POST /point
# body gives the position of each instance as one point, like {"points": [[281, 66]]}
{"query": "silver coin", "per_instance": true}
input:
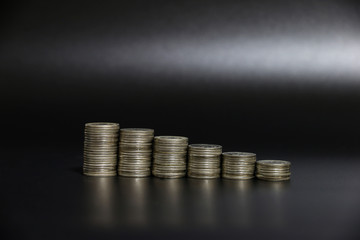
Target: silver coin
{"points": [[137, 131], [274, 163], [238, 165], [164, 175], [273, 170], [205, 146], [239, 154], [204, 161], [259, 176], [238, 177], [102, 125], [169, 156], [135, 152], [171, 138], [100, 149], [202, 176], [134, 174], [100, 174]]}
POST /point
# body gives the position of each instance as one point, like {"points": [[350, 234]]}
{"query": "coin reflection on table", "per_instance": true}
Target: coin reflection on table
{"points": [[100, 201], [204, 193], [238, 210], [135, 201], [171, 201]]}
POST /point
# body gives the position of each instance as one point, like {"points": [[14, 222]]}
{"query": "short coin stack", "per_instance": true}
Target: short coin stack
{"points": [[100, 149], [135, 150], [273, 170], [238, 165], [204, 160], [170, 156]]}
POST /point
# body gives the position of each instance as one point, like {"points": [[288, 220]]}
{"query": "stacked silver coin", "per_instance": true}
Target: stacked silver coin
{"points": [[135, 152], [204, 161], [100, 149], [238, 165], [170, 156], [273, 170]]}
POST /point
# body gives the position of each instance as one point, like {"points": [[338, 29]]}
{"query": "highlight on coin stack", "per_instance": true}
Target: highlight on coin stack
{"points": [[100, 148]]}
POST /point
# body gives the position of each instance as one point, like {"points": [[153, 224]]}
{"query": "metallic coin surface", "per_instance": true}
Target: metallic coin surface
{"points": [[170, 156], [238, 165], [100, 149], [204, 161], [274, 163], [135, 152], [273, 170]]}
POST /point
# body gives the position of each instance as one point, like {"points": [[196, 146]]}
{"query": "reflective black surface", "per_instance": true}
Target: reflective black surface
{"points": [[280, 78], [52, 199]]}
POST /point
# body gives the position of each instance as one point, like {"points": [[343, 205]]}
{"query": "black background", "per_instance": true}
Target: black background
{"points": [[279, 78]]}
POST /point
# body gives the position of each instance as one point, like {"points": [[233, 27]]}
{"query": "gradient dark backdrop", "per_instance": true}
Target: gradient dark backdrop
{"points": [[279, 78]]}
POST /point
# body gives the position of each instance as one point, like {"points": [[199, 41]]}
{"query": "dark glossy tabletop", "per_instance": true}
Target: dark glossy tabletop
{"points": [[278, 78], [50, 198]]}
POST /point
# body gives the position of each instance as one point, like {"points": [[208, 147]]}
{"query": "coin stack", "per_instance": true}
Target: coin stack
{"points": [[204, 160], [238, 165], [135, 150], [273, 170], [100, 149], [170, 156]]}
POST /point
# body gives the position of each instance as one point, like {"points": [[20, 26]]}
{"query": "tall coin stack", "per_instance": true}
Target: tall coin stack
{"points": [[170, 156], [238, 165], [100, 149], [135, 150], [204, 160], [273, 170]]}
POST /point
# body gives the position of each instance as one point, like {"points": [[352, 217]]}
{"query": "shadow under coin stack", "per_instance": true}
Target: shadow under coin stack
{"points": [[273, 170], [170, 156], [238, 165], [135, 150], [100, 149], [204, 161]]}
